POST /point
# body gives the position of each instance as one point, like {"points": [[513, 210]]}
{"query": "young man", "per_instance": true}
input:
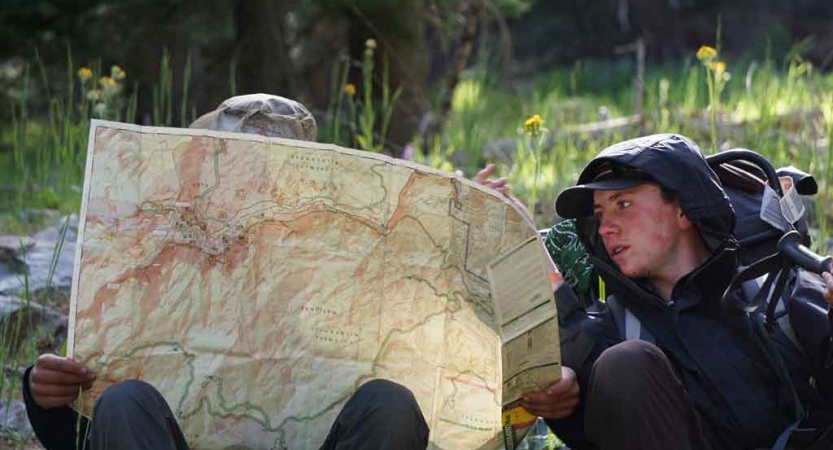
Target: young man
{"points": [[658, 226], [134, 415]]}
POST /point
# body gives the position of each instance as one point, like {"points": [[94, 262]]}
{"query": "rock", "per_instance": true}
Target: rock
{"points": [[47, 327], [39, 216], [38, 261], [11, 251], [14, 423]]}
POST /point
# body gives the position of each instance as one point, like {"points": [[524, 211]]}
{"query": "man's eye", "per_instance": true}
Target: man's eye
{"points": [[624, 204]]}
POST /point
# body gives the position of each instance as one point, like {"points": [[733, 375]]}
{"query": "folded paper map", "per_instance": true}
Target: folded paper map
{"points": [[258, 282]]}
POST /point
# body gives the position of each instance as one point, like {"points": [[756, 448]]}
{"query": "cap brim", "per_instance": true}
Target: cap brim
{"points": [[577, 201]]}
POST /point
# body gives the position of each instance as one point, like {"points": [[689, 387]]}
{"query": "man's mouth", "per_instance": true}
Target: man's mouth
{"points": [[618, 250]]}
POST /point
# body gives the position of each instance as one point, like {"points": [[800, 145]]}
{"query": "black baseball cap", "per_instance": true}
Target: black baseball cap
{"points": [[577, 201]]}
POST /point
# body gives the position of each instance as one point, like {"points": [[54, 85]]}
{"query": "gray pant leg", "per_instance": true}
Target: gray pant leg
{"points": [[636, 401], [380, 415], [132, 415]]}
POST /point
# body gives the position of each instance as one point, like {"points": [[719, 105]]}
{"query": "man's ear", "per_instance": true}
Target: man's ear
{"points": [[682, 220]]}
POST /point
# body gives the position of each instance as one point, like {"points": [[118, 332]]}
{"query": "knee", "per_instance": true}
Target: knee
{"points": [[382, 412], [126, 393], [623, 367], [384, 401], [628, 354], [386, 394]]}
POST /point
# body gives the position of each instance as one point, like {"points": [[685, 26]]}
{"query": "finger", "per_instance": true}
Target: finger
{"points": [[47, 376], [539, 405], [87, 385], [547, 399], [564, 404], [828, 294], [57, 363], [561, 387], [534, 397], [500, 182], [565, 384], [484, 173], [551, 404], [55, 402], [551, 413], [495, 184], [499, 187], [53, 390]]}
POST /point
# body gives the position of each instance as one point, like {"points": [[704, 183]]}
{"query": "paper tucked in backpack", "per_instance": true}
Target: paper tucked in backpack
{"points": [[791, 204]]}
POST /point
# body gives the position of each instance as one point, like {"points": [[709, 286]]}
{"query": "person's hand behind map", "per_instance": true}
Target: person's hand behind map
{"points": [[500, 185], [560, 399], [55, 381]]}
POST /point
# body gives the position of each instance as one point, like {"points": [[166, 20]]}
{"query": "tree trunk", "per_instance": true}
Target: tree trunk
{"points": [[261, 48]]}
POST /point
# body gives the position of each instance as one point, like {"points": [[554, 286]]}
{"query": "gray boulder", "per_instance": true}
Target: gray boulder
{"points": [[14, 423], [12, 249], [38, 260], [25, 322]]}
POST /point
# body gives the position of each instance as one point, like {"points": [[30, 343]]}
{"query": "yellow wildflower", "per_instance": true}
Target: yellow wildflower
{"points": [[370, 43], [706, 53], [350, 89], [85, 74], [718, 66], [533, 124], [117, 73], [94, 95], [106, 82]]}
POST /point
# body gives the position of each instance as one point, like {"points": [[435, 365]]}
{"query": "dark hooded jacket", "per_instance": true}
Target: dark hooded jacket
{"points": [[735, 376]]}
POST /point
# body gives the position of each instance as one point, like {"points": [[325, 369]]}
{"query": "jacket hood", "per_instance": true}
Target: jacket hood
{"points": [[676, 163]]}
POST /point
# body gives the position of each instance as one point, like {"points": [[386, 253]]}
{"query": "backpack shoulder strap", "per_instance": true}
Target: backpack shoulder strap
{"points": [[750, 289], [627, 323]]}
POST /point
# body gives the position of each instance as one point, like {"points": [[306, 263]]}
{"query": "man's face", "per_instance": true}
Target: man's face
{"points": [[640, 230]]}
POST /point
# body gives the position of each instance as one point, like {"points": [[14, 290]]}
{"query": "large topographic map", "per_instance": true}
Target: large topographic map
{"points": [[258, 282]]}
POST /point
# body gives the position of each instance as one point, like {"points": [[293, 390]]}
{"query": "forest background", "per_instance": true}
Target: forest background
{"points": [[535, 86], [448, 82]]}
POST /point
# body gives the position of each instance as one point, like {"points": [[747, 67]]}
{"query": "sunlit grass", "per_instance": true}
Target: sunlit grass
{"points": [[775, 109]]}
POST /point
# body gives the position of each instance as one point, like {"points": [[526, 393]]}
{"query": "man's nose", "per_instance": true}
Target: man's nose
{"points": [[607, 227]]}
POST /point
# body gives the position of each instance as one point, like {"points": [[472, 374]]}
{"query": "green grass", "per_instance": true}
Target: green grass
{"points": [[783, 111], [780, 109]]}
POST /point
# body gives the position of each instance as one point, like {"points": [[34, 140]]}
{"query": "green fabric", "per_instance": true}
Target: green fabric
{"points": [[570, 256]]}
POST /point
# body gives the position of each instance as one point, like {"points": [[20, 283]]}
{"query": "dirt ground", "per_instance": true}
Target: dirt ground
{"points": [[6, 444]]}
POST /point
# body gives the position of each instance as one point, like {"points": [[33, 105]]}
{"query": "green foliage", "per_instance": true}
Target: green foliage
{"points": [[780, 110], [436, 156], [44, 168], [368, 118]]}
